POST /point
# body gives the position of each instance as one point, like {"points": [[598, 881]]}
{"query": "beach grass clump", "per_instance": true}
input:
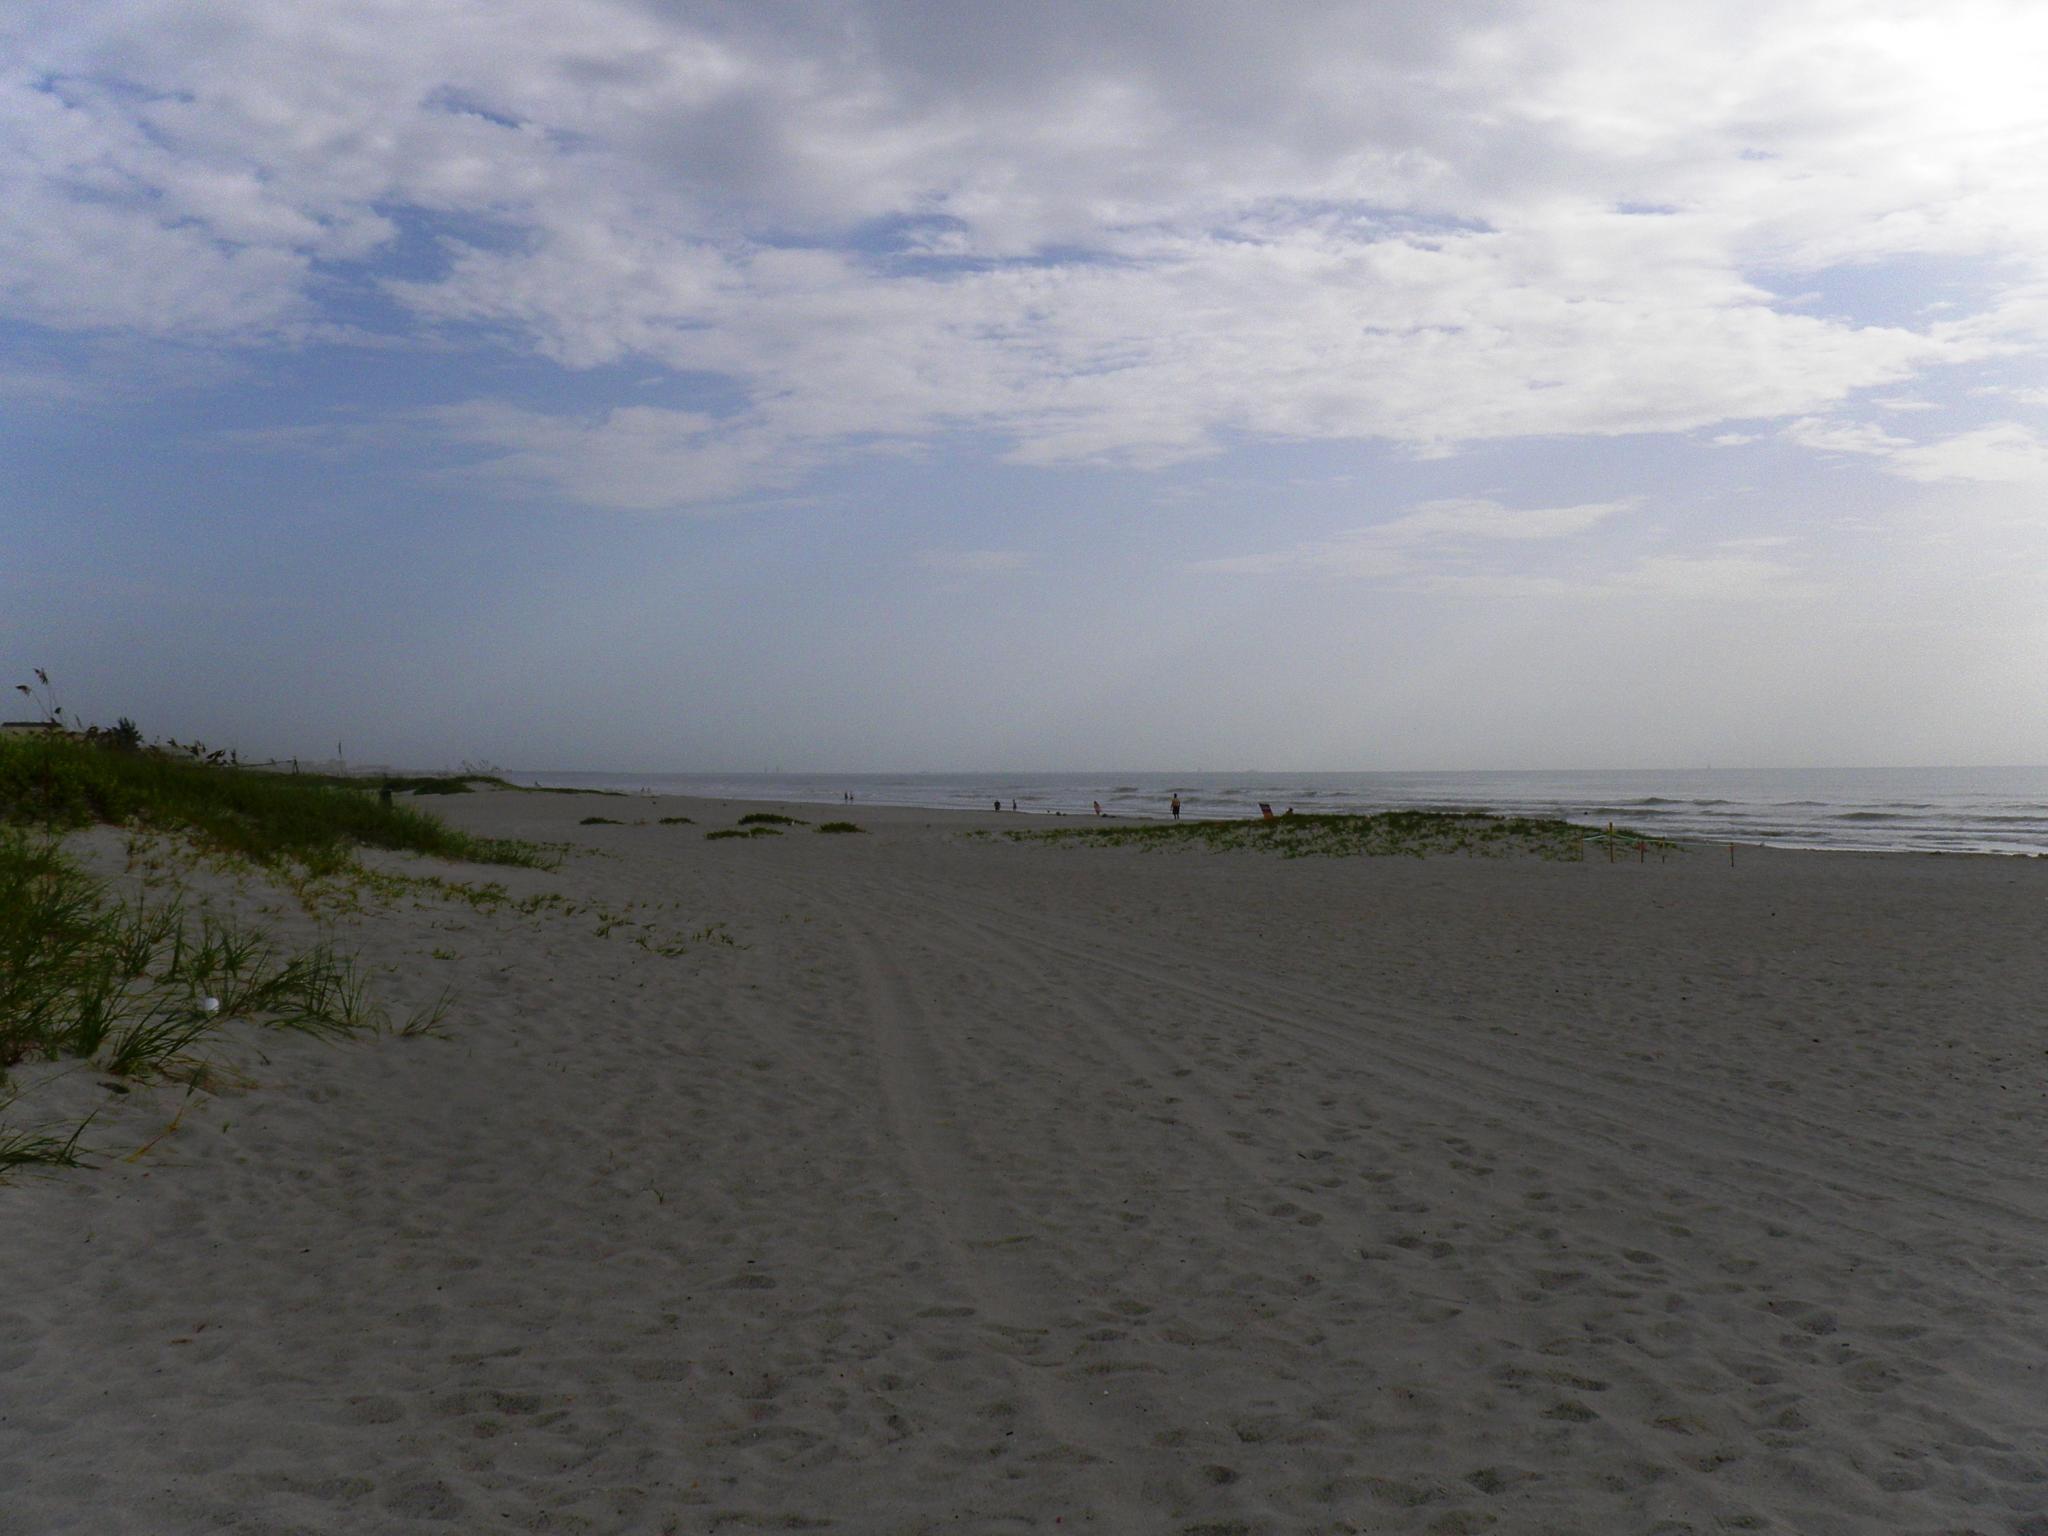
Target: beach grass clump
{"points": [[677, 821], [137, 987], [132, 984], [37, 1146], [770, 819], [600, 821], [839, 826], [1415, 834], [317, 820], [741, 831]]}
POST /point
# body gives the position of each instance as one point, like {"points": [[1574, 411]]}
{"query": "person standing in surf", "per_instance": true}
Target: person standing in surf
{"points": [[1176, 805]]}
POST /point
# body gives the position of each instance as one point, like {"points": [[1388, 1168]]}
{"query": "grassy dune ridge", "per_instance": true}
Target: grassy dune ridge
{"points": [[313, 819]]}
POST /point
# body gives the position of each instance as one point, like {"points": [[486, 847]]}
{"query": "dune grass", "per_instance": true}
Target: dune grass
{"points": [[1417, 834], [678, 821], [600, 821], [316, 820], [442, 783], [770, 819], [741, 831], [398, 784], [37, 1146], [137, 987], [839, 826]]}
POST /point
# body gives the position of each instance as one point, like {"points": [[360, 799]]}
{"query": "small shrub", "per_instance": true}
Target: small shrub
{"points": [[770, 819], [839, 826]]}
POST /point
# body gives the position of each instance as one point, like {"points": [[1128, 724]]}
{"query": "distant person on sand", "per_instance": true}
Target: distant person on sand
{"points": [[1176, 807], [999, 805], [1098, 807]]}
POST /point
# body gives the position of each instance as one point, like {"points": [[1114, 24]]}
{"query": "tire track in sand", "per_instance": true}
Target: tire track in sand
{"points": [[976, 1237]]}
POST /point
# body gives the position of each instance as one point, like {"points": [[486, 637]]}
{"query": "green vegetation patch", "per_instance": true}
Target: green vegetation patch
{"points": [[444, 784], [1418, 834], [770, 819], [429, 786], [316, 819], [137, 987], [712, 837], [36, 1147], [408, 784], [840, 826], [678, 821], [600, 821]]}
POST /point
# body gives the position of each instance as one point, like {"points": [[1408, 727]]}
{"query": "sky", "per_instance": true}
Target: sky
{"points": [[872, 385]]}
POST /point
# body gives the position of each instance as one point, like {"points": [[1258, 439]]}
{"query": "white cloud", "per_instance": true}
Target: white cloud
{"points": [[1099, 232], [1481, 549], [635, 458], [2001, 453], [2004, 453], [1843, 436]]}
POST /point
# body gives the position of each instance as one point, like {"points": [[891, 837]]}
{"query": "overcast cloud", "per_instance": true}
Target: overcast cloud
{"points": [[1165, 321]]}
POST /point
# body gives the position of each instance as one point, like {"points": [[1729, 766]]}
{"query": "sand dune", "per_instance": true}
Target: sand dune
{"points": [[980, 1186]]}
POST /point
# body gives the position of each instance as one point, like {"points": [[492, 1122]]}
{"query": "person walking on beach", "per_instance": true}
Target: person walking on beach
{"points": [[1098, 807], [1176, 805]]}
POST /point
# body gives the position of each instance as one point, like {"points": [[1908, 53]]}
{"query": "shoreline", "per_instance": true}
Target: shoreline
{"points": [[2002, 826], [1085, 818]]}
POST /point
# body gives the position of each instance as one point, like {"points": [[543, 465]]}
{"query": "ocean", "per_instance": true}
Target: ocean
{"points": [[1947, 810]]}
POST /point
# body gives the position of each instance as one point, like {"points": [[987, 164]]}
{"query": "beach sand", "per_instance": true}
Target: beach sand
{"points": [[982, 1186]]}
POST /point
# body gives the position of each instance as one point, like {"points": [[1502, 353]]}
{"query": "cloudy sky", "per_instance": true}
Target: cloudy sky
{"points": [[639, 384]]}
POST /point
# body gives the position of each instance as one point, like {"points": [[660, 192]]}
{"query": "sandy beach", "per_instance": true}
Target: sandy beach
{"points": [[919, 1181]]}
